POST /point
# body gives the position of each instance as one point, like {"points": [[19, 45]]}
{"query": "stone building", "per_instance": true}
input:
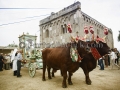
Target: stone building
{"points": [[6, 49], [53, 29]]}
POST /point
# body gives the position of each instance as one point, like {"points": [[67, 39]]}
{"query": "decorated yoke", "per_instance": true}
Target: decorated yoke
{"points": [[73, 50]]}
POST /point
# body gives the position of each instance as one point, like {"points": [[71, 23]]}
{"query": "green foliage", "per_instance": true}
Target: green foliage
{"points": [[35, 55]]}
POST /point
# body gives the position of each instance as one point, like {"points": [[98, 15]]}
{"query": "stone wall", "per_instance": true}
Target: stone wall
{"points": [[53, 29]]}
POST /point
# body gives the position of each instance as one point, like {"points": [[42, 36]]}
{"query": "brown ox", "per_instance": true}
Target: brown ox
{"points": [[88, 63], [59, 58]]}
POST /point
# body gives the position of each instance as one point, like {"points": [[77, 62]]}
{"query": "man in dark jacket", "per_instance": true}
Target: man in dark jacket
{"points": [[1, 62], [117, 54], [19, 60], [101, 63]]}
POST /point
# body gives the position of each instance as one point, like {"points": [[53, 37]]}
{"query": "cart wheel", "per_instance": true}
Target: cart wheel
{"points": [[32, 70]]}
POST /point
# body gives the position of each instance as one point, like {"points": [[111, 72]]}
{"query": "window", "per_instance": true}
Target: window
{"points": [[97, 32], [47, 33], [63, 29]]}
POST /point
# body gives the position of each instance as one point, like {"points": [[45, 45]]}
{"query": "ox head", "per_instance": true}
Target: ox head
{"points": [[100, 43], [101, 47], [82, 48], [80, 44], [104, 48]]}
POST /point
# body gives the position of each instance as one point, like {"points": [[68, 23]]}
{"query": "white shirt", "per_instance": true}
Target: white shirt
{"points": [[19, 56], [113, 55], [8, 59]]}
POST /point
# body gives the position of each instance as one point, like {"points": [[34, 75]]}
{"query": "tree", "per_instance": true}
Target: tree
{"points": [[12, 45], [119, 37]]}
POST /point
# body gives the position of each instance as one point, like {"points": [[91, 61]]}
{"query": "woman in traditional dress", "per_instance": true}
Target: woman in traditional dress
{"points": [[15, 65]]}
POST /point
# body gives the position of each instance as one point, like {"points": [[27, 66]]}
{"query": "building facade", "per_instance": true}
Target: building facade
{"points": [[53, 29], [6, 49]]}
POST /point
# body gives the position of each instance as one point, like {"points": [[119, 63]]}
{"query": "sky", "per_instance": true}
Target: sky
{"points": [[13, 22]]}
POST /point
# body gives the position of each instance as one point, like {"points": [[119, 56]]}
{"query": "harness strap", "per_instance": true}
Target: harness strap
{"points": [[79, 58], [95, 53]]}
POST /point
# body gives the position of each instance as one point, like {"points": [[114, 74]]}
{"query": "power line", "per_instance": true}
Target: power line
{"points": [[28, 8], [15, 22], [35, 16], [23, 20]]}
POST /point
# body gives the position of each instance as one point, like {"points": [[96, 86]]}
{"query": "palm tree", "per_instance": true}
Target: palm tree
{"points": [[119, 37]]}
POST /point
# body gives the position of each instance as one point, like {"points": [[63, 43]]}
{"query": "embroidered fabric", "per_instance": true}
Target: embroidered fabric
{"points": [[95, 53], [74, 55]]}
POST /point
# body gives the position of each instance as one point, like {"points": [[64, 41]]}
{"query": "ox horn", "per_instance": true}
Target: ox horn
{"points": [[104, 38]]}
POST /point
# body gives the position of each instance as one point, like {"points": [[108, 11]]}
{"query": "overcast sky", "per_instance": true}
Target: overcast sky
{"points": [[13, 22]]}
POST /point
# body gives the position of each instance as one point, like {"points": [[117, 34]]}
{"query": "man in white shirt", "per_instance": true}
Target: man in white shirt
{"points": [[113, 57], [19, 59]]}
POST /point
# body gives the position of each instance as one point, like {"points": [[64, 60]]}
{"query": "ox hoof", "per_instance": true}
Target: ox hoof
{"points": [[64, 86], [49, 78], [53, 76], [43, 79], [88, 83], [70, 83]]}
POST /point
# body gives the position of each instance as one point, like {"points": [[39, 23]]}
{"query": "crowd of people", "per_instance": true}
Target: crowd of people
{"points": [[111, 59], [5, 61], [15, 63]]}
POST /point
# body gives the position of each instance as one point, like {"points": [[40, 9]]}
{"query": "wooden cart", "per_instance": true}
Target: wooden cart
{"points": [[30, 53]]}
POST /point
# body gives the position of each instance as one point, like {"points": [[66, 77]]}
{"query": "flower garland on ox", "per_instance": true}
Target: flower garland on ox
{"points": [[73, 50]]}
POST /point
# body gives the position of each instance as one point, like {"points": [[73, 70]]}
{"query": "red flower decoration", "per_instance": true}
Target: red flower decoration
{"points": [[86, 30], [106, 31], [91, 29], [69, 28], [97, 36], [77, 38], [99, 39]]}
